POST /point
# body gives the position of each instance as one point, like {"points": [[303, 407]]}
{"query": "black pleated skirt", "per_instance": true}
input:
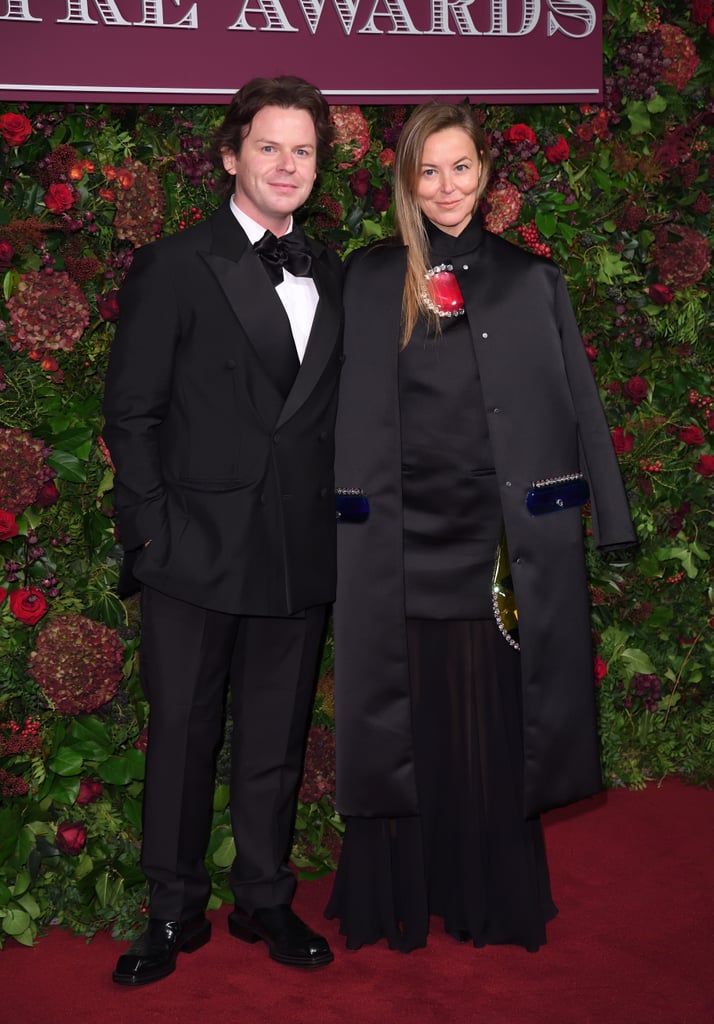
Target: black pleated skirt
{"points": [[469, 858]]}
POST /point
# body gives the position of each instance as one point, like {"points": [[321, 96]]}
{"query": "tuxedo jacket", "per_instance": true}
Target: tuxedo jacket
{"points": [[229, 477], [545, 420]]}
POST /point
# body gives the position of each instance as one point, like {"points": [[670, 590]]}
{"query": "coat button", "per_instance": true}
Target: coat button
{"points": [[276, 439], [508, 483], [496, 411], [485, 334]]}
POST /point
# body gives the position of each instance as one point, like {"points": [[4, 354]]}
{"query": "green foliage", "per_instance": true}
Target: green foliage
{"points": [[619, 193]]}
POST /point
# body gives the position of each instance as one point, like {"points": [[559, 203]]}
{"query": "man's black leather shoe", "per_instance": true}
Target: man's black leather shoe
{"points": [[153, 956], [289, 939]]}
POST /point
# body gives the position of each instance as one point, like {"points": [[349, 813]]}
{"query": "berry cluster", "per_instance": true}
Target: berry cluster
{"points": [[529, 234]]}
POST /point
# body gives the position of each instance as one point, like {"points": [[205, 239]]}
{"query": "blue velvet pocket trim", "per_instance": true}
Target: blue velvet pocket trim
{"points": [[556, 494]]}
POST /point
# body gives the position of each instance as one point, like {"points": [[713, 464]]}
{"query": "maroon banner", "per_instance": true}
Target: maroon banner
{"points": [[356, 51]]}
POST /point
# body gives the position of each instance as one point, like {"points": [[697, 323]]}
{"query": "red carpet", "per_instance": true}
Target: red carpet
{"points": [[633, 944]]}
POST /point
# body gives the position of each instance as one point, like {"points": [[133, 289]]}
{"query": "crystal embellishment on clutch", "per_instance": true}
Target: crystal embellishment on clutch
{"points": [[443, 294]]}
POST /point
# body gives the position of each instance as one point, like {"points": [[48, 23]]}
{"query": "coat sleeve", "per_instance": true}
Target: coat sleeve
{"points": [[612, 523], [137, 393]]}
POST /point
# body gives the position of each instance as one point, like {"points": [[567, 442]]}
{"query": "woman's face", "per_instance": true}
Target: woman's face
{"points": [[447, 185]]}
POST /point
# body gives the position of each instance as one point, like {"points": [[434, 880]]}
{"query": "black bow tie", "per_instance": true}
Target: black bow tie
{"points": [[289, 251]]}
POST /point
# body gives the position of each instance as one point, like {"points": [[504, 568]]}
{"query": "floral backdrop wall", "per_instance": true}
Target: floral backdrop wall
{"points": [[619, 193]]}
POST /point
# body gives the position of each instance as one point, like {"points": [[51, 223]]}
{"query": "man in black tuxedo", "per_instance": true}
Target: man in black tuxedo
{"points": [[220, 406]]}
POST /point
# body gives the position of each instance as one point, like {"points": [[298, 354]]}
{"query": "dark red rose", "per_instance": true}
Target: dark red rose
{"points": [[691, 435], [701, 11], [660, 294], [705, 466], [89, 791], [710, 420], [6, 254], [15, 129], [710, 27], [519, 133], [599, 669], [47, 495], [558, 151], [3, 594], [108, 305], [359, 182], [636, 389], [8, 525], [59, 198], [28, 605], [71, 837], [621, 441], [382, 199]]}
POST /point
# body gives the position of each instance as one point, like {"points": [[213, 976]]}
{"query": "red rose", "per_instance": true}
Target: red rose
{"points": [[108, 305], [386, 157], [8, 525], [28, 605], [359, 182], [691, 435], [660, 294], [382, 199], [3, 594], [558, 151], [15, 129], [636, 389], [710, 27], [621, 441], [705, 466], [71, 837], [519, 133], [89, 791], [599, 669], [47, 494], [6, 254], [701, 11], [59, 198]]}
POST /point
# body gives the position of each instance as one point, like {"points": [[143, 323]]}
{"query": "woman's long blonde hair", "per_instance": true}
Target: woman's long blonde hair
{"points": [[425, 121]]}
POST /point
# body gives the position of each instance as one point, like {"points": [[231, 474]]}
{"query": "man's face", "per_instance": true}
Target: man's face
{"points": [[276, 167]]}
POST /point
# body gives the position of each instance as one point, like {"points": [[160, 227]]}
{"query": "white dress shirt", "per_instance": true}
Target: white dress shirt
{"points": [[297, 294]]}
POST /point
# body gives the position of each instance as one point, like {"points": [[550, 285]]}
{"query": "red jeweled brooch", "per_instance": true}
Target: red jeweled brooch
{"points": [[443, 295]]}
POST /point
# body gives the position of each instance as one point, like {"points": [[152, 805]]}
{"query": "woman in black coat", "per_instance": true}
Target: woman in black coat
{"points": [[468, 416]]}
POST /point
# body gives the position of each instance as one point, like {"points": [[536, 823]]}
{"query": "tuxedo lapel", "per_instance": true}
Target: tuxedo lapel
{"points": [[253, 300], [323, 336]]}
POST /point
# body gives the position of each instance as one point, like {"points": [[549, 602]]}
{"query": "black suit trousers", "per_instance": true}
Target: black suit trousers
{"points": [[188, 655]]}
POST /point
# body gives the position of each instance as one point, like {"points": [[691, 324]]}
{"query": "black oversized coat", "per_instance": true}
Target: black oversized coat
{"points": [[545, 420], [230, 479]]}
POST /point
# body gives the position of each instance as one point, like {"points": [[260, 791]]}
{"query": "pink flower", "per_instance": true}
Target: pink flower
{"points": [[351, 134], [503, 203]]}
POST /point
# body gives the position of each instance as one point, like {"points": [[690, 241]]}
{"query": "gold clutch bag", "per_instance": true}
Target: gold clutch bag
{"points": [[503, 597]]}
